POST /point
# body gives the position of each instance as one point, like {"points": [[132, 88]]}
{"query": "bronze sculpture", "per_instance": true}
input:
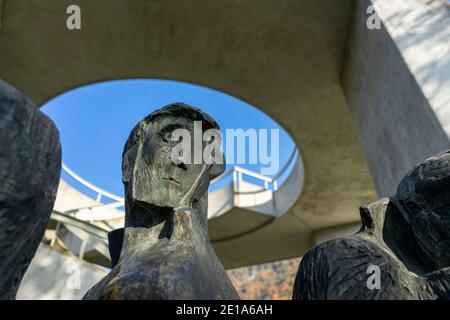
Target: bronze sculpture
{"points": [[405, 237], [164, 251], [30, 165]]}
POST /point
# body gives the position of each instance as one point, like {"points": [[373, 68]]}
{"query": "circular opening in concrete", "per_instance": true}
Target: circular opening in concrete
{"points": [[95, 120]]}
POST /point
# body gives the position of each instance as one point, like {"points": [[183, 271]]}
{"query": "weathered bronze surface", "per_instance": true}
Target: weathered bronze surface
{"points": [[30, 165], [164, 251], [406, 236]]}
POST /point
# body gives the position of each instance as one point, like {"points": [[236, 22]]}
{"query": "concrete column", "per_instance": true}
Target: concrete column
{"points": [[396, 81]]}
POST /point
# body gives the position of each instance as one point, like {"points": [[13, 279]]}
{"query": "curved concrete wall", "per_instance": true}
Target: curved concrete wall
{"points": [[284, 56], [396, 80]]}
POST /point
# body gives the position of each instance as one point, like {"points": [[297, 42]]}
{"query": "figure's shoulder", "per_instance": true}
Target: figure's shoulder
{"points": [[338, 269], [145, 279], [325, 255], [128, 286], [343, 248]]}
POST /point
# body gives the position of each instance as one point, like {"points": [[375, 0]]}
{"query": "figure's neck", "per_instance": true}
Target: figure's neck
{"points": [[146, 225], [145, 215]]}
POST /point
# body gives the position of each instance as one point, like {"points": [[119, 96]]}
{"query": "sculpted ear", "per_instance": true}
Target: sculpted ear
{"points": [[216, 170], [129, 156], [128, 163]]}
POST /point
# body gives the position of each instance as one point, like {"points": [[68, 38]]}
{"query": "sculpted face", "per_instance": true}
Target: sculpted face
{"points": [[149, 173]]}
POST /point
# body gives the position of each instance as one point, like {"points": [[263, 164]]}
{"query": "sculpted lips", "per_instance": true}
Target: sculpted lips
{"points": [[172, 180]]}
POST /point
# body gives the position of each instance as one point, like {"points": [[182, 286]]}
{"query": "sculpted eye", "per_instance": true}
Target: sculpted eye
{"points": [[166, 132], [167, 136]]}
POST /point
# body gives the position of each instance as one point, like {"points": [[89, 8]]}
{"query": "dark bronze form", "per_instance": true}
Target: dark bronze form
{"points": [[30, 165], [164, 251], [406, 238]]}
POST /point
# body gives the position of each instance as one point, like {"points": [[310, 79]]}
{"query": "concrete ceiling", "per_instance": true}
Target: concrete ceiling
{"points": [[284, 56]]}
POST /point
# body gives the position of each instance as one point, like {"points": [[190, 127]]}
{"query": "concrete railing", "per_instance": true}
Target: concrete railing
{"points": [[273, 201], [83, 237]]}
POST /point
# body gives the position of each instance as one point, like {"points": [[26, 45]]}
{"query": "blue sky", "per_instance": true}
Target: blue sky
{"points": [[94, 121]]}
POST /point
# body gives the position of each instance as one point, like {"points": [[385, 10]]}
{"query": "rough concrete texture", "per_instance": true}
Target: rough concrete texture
{"points": [[284, 57], [30, 164], [402, 251], [421, 32], [395, 81]]}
